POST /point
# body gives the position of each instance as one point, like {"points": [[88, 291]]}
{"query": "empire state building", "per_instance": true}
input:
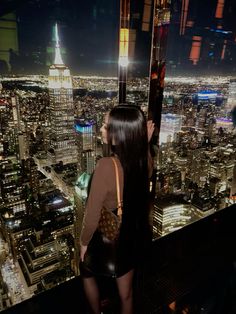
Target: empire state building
{"points": [[62, 144]]}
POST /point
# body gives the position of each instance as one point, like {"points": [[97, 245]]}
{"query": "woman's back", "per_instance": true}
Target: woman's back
{"points": [[102, 193]]}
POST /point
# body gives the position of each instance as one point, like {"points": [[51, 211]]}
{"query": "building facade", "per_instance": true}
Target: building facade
{"points": [[62, 146]]}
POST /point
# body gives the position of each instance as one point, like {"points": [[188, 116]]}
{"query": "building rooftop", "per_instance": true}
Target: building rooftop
{"points": [[170, 200]]}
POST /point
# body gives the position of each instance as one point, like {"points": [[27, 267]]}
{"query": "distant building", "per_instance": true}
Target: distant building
{"points": [[86, 143], [11, 186], [170, 213], [214, 185], [31, 174], [202, 204], [62, 145], [39, 259], [87, 152], [206, 97], [170, 125]]}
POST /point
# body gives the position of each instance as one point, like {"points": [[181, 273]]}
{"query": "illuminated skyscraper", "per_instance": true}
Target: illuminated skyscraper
{"points": [[62, 145], [86, 143], [170, 125], [12, 151], [171, 213]]}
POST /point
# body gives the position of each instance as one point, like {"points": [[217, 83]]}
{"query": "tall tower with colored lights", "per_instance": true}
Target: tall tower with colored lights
{"points": [[86, 143], [62, 145]]}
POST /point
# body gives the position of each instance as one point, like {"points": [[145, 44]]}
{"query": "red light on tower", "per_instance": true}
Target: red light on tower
{"points": [[220, 9]]}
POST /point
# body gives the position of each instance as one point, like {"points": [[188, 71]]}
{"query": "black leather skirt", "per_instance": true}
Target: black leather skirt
{"points": [[105, 258]]}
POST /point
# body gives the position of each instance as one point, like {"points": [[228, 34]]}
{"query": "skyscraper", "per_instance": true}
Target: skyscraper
{"points": [[86, 142], [62, 145], [11, 153]]}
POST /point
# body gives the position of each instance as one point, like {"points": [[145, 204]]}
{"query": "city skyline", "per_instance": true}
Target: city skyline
{"points": [[50, 139]]}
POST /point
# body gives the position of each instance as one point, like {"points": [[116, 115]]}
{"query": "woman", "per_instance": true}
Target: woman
{"points": [[125, 132]]}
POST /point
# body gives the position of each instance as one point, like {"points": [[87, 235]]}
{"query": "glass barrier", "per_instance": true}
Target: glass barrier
{"points": [[58, 77], [195, 149], [63, 65]]}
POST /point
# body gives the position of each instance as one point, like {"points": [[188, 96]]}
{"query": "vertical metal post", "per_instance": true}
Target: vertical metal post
{"points": [[123, 49], [161, 21]]}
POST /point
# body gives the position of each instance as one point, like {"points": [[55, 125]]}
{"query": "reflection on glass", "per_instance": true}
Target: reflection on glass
{"points": [[42, 199], [196, 154], [140, 29], [56, 83]]}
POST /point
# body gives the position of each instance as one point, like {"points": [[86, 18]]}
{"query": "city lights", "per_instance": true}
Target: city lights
{"points": [[58, 81]]}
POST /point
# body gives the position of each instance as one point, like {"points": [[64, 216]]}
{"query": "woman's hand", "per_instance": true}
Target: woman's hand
{"points": [[83, 250], [150, 129]]}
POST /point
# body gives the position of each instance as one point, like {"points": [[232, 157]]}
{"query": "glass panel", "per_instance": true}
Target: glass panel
{"points": [[58, 67], [134, 51], [195, 159]]}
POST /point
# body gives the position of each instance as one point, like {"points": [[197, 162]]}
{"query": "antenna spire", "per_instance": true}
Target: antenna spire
{"points": [[58, 58]]}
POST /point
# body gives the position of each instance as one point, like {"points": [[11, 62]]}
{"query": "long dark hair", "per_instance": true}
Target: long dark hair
{"points": [[127, 138]]}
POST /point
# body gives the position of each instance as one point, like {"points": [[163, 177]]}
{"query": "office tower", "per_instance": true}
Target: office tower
{"points": [[62, 145], [11, 186], [171, 213], [38, 259], [12, 131], [19, 129], [170, 125], [12, 152], [31, 175], [34, 114], [12, 189], [86, 143]]}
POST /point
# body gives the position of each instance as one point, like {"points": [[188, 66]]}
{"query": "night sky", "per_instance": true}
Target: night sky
{"points": [[89, 36], [88, 31]]}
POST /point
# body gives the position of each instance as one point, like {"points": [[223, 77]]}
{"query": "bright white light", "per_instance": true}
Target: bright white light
{"points": [[123, 61]]}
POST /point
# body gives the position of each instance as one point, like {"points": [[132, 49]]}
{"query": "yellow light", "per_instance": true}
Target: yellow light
{"points": [[124, 47]]}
